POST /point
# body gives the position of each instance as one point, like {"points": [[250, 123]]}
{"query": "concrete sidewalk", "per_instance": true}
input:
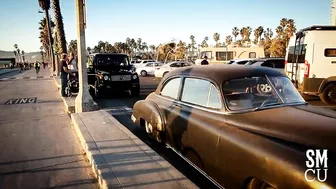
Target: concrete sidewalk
{"points": [[39, 149], [119, 158]]}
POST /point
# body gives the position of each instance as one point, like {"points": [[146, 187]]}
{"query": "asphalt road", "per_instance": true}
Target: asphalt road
{"points": [[38, 148], [148, 85]]}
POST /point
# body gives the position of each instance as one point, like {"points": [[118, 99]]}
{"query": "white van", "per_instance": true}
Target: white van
{"points": [[222, 55], [311, 62]]}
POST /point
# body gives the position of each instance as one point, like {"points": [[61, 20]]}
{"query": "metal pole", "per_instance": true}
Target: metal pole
{"points": [[84, 101], [50, 41]]}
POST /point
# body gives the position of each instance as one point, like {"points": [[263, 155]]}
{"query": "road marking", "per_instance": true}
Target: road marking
{"points": [[19, 78], [21, 101]]}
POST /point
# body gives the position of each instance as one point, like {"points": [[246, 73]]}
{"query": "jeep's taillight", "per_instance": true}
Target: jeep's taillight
{"points": [[307, 67]]}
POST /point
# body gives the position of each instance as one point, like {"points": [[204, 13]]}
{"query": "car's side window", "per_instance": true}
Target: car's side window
{"points": [[171, 88], [149, 65], [214, 100], [174, 65], [200, 92], [268, 63]]}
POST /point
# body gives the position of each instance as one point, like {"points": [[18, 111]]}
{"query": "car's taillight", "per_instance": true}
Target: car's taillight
{"points": [[307, 67], [157, 68]]}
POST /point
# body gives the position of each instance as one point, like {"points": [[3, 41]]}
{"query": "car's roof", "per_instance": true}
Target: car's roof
{"points": [[271, 58], [107, 54], [222, 72]]}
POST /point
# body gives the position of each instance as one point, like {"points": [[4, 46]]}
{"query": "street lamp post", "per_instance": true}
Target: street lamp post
{"points": [[84, 101]]}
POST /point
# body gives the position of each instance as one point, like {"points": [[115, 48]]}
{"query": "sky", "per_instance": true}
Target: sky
{"points": [[157, 21]]}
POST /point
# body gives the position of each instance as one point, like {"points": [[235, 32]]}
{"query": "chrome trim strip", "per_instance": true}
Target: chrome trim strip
{"points": [[194, 166]]}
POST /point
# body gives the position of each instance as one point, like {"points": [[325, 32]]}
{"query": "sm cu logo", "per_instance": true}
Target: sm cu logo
{"points": [[317, 166]]}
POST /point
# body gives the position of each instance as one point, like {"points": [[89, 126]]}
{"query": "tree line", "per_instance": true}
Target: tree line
{"points": [[274, 44]]}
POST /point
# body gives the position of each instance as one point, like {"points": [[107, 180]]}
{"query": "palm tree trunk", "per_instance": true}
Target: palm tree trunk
{"points": [[50, 41], [59, 26]]}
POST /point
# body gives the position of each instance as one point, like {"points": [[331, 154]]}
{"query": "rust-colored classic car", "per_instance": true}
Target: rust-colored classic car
{"points": [[243, 127]]}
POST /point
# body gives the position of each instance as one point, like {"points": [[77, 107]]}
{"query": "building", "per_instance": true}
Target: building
{"points": [[333, 13]]}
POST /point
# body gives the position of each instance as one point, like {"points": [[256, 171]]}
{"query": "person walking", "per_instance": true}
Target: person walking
{"points": [[205, 61], [64, 74], [37, 66]]}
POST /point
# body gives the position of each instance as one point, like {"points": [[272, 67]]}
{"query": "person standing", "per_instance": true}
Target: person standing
{"points": [[72, 63], [205, 61], [64, 74]]}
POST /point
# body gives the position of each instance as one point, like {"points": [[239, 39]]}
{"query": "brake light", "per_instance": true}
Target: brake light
{"points": [[157, 68], [307, 67]]}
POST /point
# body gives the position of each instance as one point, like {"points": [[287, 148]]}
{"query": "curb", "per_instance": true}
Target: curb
{"points": [[104, 173], [88, 143]]}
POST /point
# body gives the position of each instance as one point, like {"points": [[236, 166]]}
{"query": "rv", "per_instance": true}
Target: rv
{"points": [[221, 55], [310, 62]]}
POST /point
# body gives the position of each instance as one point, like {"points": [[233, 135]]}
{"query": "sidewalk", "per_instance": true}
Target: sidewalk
{"points": [[39, 149]]}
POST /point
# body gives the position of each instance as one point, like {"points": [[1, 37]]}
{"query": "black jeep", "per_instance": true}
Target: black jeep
{"points": [[111, 72]]}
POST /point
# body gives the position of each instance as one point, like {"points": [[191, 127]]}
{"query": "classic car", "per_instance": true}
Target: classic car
{"points": [[237, 134], [112, 72]]}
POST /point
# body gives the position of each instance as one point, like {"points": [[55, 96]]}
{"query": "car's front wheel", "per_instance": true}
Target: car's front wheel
{"points": [[328, 96], [143, 73]]}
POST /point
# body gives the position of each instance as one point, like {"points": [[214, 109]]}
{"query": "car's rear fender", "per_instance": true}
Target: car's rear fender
{"points": [[147, 110]]}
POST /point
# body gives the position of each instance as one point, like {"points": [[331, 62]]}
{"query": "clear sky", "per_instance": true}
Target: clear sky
{"points": [[156, 21]]}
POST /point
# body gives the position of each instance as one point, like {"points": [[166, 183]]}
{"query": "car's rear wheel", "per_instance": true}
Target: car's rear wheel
{"points": [[143, 73], [328, 96]]}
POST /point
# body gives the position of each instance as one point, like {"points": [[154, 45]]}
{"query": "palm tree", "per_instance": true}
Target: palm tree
{"points": [[248, 31], [138, 44], [228, 40], [44, 38], [256, 36], [216, 37], [242, 33], [280, 31], [283, 22], [61, 42], [45, 5], [73, 47], [290, 29], [235, 33], [260, 31], [192, 44]]}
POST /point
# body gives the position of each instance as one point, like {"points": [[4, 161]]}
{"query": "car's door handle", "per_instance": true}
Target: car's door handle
{"points": [[178, 105]]}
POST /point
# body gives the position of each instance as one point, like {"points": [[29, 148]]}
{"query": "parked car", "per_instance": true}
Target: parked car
{"points": [[138, 63], [111, 73], [148, 69], [166, 68], [240, 61], [275, 63], [234, 132]]}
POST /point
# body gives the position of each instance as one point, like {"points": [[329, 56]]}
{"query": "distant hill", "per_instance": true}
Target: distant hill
{"points": [[30, 57]]}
